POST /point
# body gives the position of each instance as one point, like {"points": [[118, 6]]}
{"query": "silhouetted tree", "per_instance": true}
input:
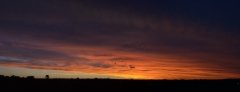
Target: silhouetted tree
{"points": [[2, 76], [30, 77], [14, 77], [47, 77]]}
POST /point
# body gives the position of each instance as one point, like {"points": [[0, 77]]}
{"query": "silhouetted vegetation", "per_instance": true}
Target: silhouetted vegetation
{"points": [[2, 76], [20, 84], [30, 77], [47, 77]]}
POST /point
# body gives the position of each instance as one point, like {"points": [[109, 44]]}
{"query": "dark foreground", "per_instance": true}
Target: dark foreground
{"points": [[109, 85]]}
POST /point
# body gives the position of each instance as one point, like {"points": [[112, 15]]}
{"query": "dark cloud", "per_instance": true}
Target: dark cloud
{"points": [[29, 51], [100, 64], [11, 59], [22, 53]]}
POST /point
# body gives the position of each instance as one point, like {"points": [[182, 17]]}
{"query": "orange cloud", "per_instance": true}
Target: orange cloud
{"points": [[125, 64]]}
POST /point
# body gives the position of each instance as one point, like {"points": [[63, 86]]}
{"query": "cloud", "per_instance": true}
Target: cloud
{"points": [[11, 59], [29, 51], [101, 65], [93, 37]]}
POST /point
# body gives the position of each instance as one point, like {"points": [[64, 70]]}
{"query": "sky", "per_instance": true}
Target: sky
{"points": [[136, 39]]}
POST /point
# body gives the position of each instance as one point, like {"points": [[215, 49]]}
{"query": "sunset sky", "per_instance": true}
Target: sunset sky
{"points": [[140, 39]]}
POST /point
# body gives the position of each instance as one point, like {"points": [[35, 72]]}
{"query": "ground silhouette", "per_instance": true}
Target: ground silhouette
{"points": [[31, 84]]}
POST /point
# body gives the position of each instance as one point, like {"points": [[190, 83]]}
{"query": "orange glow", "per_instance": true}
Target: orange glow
{"points": [[126, 64]]}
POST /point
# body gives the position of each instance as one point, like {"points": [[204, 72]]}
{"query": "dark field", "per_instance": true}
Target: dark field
{"points": [[110, 85]]}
